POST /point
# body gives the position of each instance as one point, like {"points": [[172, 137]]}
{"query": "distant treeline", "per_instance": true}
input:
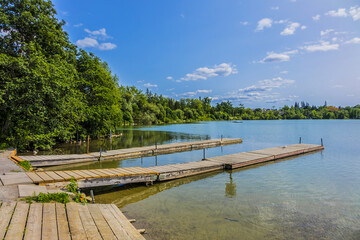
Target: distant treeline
{"points": [[51, 91]]}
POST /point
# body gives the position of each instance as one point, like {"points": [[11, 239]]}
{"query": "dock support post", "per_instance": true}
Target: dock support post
{"points": [[92, 196], [221, 137], [88, 145], [141, 141], [322, 144], [203, 154], [300, 140], [155, 144]]}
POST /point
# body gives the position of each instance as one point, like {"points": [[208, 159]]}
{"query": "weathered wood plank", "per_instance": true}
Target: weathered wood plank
{"points": [[45, 177], [49, 227], [34, 177], [18, 221], [34, 222], [6, 211], [115, 226], [76, 228], [73, 174], [103, 227], [88, 223], [62, 222], [54, 176]]}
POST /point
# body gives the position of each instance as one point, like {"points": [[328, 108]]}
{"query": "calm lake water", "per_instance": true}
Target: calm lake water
{"points": [[313, 196]]}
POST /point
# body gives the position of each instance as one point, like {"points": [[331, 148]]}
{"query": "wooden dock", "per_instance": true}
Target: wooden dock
{"points": [[55, 160], [20, 220], [114, 176]]}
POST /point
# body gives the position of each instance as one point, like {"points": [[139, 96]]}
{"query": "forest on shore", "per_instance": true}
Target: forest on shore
{"points": [[51, 91]]}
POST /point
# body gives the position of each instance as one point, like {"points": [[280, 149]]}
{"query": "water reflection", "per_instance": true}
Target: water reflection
{"points": [[230, 188], [123, 138]]}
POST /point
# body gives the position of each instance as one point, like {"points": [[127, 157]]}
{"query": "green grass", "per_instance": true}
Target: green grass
{"points": [[25, 164], [49, 197]]}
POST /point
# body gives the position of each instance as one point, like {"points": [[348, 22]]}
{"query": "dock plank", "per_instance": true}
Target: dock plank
{"points": [[18, 221], [64, 175], [55, 176], [49, 227], [115, 226], [88, 223], [62, 222], [34, 222], [6, 211], [34, 177], [103, 227], [76, 228]]}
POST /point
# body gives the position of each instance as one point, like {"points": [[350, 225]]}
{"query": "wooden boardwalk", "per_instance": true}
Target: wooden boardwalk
{"points": [[20, 220], [114, 176], [250, 158], [54, 160]]}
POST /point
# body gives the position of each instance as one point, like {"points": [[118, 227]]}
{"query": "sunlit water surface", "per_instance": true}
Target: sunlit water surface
{"points": [[313, 196]]}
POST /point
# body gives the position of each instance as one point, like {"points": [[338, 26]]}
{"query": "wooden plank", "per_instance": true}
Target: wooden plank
{"points": [[33, 225], [120, 217], [103, 227], [49, 227], [6, 211], [109, 173], [54, 176], [82, 173], [91, 174], [62, 222], [76, 228], [18, 221], [99, 173], [63, 175], [73, 174], [45, 177], [34, 177], [89, 225], [115, 226]]}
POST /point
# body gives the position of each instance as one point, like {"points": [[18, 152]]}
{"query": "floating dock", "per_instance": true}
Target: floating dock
{"points": [[20, 220], [114, 176], [55, 160]]}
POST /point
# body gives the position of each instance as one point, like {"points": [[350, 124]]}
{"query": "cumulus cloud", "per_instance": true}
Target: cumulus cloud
{"points": [[149, 85], [341, 12], [191, 94], [325, 32], [355, 13], [244, 23], [323, 46], [355, 40], [203, 73], [169, 77], [316, 17], [78, 25], [93, 38], [87, 42], [278, 57], [290, 29], [264, 23]]}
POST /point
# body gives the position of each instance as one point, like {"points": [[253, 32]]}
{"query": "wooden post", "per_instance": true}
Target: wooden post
{"points": [[92, 196], [300, 140], [88, 144], [141, 142], [221, 137], [155, 144], [322, 144], [204, 154], [156, 160]]}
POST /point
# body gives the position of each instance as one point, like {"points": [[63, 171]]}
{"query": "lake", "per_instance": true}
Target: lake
{"points": [[313, 196]]}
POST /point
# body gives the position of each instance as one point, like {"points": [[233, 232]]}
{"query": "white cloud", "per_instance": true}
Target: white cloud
{"points": [[203, 73], [323, 46], [316, 17], [101, 33], [355, 40], [78, 25], [87, 42], [290, 29], [275, 8], [169, 77], [278, 57], [191, 94], [341, 12], [284, 72], [325, 32], [303, 27], [107, 46], [355, 13], [149, 85], [264, 23], [244, 23]]}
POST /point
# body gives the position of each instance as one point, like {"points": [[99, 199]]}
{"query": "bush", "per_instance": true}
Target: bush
{"points": [[48, 197]]}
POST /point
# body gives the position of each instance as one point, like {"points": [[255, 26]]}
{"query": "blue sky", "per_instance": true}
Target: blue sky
{"points": [[259, 53]]}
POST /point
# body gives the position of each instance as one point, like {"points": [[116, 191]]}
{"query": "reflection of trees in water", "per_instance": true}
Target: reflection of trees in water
{"points": [[230, 188], [126, 138]]}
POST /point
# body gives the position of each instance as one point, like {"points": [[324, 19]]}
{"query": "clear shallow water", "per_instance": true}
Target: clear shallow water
{"points": [[313, 196]]}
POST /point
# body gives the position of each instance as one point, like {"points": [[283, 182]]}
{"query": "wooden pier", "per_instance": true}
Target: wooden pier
{"points": [[20, 220], [114, 176], [55, 160]]}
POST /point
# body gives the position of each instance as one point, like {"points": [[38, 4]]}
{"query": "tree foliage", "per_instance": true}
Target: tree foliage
{"points": [[51, 91]]}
